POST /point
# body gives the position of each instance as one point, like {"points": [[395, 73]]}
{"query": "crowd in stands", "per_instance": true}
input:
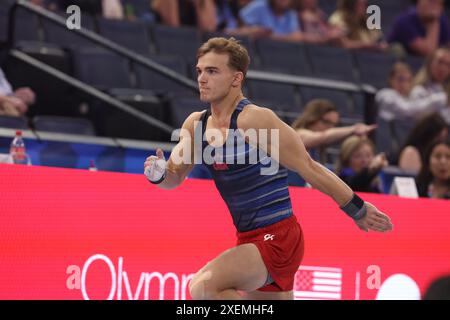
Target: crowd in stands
{"points": [[421, 98], [419, 30]]}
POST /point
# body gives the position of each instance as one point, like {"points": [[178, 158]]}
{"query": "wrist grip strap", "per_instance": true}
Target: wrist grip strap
{"points": [[355, 208]]}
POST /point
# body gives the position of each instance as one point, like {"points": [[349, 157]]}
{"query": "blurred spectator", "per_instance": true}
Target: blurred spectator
{"points": [[14, 103], [139, 11], [358, 165], [316, 127], [274, 18], [396, 102], [432, 78], [112, 9], [439, 289], [230, 22], [314, 25], [351, 18], [228, 19], [430, 127], [228, 14], [422, 29], [109, 9], [433, 180], [199, 13], [40, 3]]}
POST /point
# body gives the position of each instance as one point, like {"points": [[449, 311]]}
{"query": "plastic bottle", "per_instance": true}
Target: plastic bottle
{"points": [[17, 150], [92, 166]]}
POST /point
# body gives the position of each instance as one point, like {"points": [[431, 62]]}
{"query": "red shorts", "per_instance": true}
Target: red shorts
{"points": [[281, 247]]}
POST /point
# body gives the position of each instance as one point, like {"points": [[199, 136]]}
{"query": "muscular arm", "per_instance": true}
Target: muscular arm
{"points": [[293, 155]]}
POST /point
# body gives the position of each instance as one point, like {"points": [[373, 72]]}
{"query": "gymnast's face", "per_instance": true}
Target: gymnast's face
{"points": [[215, 77]]}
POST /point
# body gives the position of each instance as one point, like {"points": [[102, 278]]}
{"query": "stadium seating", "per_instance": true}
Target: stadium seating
{"points": [[13, 122], [57, 34], [283, 57], [149, 79], [374, 67], [131, 35], [63, 125], [101, 69], [331, 63]]}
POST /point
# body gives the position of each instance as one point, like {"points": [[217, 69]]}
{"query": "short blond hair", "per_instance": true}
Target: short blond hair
{"points": [[348, 147], [238, 55]]}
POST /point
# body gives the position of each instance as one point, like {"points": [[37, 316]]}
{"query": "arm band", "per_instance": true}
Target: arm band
{"points": [[355, 208]]}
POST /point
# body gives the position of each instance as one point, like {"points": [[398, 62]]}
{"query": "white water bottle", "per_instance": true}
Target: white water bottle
{"points": [[17, 150]]}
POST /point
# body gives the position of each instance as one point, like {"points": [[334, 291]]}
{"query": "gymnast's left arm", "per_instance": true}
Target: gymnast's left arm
{"points": [[290, 151]]}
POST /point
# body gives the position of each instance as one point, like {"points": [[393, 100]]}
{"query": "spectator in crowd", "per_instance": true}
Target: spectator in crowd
{"points": [[199, 13], [228, 19], [14, 103], [433, 180], [430, 127], [230, 22], [112, 9], [439, 289], [422, 29], [40, 3], [109, 9], [351, 18], [358, 165], [433, 78], [395, 102], [274, 18], [316, 127], [314, 24]]}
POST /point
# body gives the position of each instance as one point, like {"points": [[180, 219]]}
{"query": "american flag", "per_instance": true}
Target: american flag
{"points": [[317, 283]]}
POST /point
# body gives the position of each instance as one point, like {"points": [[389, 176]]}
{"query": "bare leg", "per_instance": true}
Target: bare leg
{"points": [[238, 269], [168, 10], [206, 15]]}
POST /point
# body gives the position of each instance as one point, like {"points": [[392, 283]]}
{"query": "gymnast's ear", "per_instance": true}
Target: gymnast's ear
{"points": [[238, 78]]}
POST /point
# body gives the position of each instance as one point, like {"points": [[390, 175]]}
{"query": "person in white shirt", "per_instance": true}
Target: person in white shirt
{"points": [[397, 102], [432, 78]]}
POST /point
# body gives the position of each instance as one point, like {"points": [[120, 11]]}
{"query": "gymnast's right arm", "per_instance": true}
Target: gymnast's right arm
{"points": [[170, 174]]}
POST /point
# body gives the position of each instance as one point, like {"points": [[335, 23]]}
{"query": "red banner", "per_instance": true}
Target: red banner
{"points": [[73, 234]]}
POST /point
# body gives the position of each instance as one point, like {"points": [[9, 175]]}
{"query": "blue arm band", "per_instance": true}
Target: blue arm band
{"points": [[355, 208]]}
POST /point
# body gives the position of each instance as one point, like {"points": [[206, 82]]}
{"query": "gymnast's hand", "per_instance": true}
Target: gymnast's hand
{"points": [[155, 167], [374, 220]]}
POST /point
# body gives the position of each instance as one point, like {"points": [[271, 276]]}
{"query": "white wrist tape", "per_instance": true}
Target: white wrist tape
{"points": [[156, 172]]}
